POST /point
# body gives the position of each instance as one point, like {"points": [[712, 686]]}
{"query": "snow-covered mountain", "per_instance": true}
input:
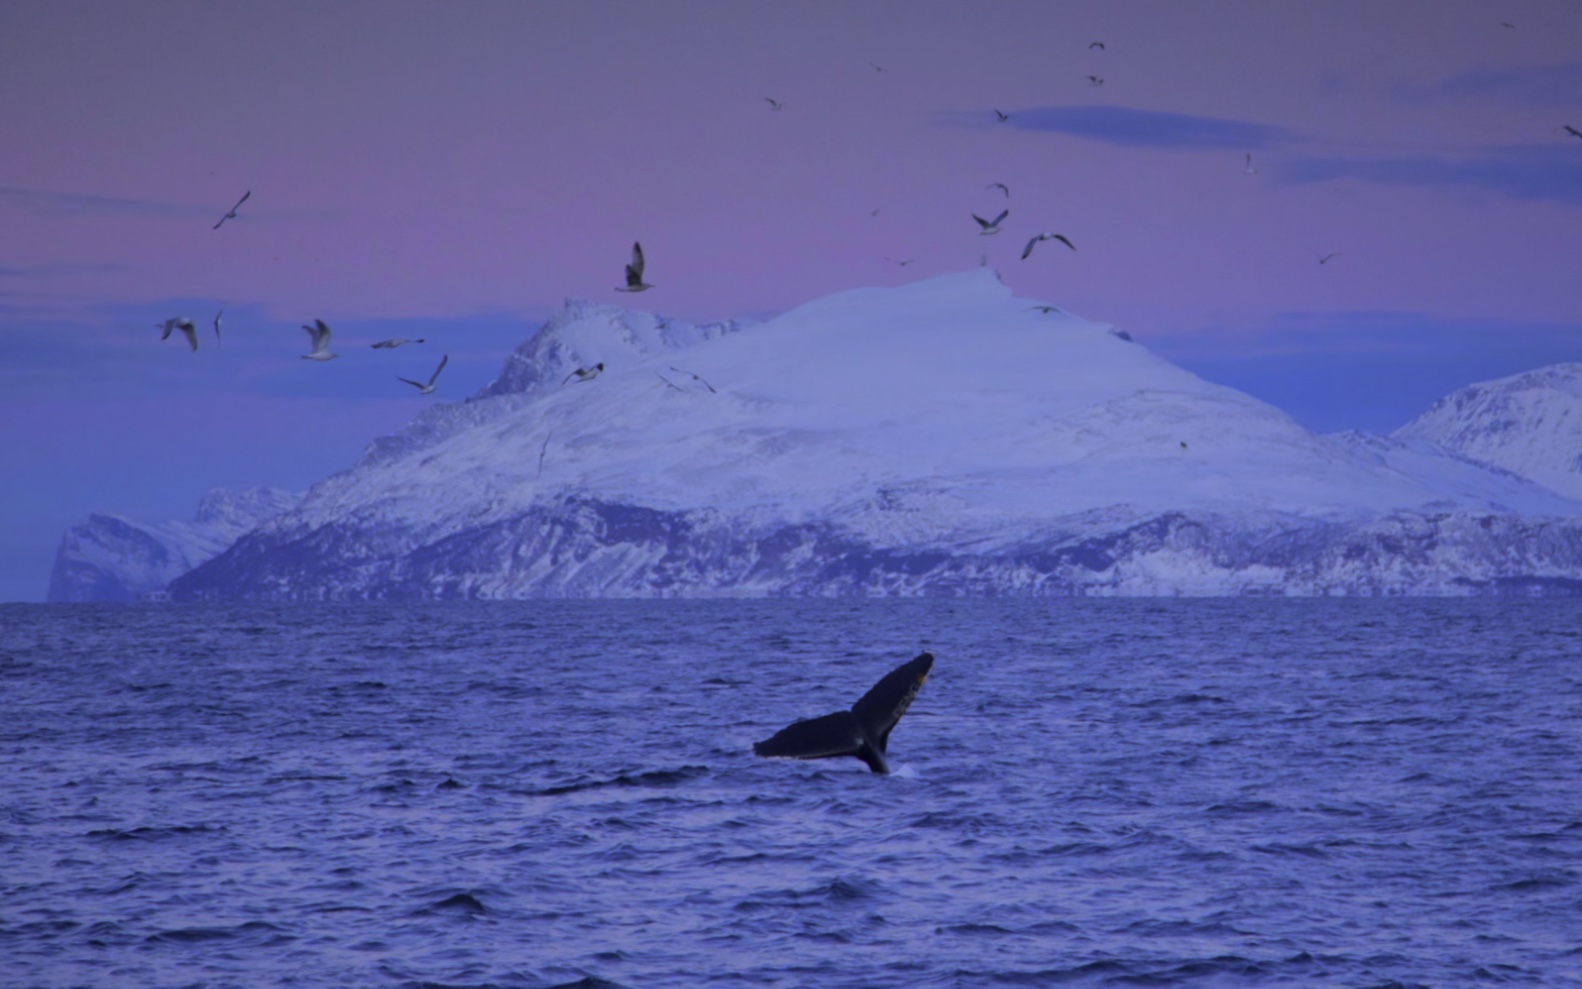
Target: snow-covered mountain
{"points": [[112, 558], [1529, 424], [942, 437]]}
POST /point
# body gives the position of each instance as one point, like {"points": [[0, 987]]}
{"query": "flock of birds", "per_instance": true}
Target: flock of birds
{"points": [[320, 334]]}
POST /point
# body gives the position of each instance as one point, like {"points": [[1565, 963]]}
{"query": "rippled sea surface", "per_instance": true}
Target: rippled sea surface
{"points": [[1088, 793]]}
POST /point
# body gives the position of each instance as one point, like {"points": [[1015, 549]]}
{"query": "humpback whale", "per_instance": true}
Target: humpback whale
{"points": [[863, 731]]}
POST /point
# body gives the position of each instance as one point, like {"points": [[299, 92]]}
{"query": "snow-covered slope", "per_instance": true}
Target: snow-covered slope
{"points": [[1529, 424], [940, 437], [112, 558]]}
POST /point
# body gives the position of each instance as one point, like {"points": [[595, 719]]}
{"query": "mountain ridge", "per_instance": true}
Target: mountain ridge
{"points": [[933, 430]]}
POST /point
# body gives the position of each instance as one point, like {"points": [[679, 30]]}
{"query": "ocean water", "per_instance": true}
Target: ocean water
{"points": [[1086, 793]]}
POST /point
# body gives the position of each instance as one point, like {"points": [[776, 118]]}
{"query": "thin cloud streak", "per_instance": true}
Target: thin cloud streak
{"points": [[73, 203], [1127, 127], [1558, 84], [1552, 174]]}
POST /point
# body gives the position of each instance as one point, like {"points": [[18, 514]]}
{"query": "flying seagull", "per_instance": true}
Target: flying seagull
{"points": [[1324, 258], [634, 272], [668, 383], [1046, 310], [1000, 186], [185, 325], [217, 324], [899, 261], [394, 342], [427, 389], [876, 66], [585, 373], [320, 332], [1096, 44], [863, 730], [1250, 169], [1045, 236], [230, 214], [1001, 116], [774, 104], [990, 227], [1572, 130], [695, 377], [1095, 81]]}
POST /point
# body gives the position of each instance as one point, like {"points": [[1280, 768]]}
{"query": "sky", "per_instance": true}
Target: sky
{"points": [[456, 171]]}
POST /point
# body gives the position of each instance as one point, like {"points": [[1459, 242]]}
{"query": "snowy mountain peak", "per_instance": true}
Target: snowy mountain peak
{"points": [[1529, 424], [583, 334], [939, 435]]}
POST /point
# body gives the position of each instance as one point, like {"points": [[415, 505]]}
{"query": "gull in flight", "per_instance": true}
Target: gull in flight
{"points": [[695, 377], [1001, 116], [217, 324], [1250, 169], [585, 373], [1000, 186], [1045, 236], [1046, 310], [990, 226], [185, 325], [230, 214], [427, 389], [899, 261], [1324, 258], [774, 104], [634, 272], [1096, 44], [876, 66], [1571, 130], [1095, 81], [394, 343], [320, 332]]}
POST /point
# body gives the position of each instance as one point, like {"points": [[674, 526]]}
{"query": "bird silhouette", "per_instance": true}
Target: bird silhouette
{"points": [[427, 389], [585, 373], [634, 272], [188, 328], [320, 332], [1045, 236], [230, 214], [990, 226]]}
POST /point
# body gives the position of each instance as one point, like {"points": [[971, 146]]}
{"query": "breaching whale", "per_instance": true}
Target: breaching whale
{"points": [[863, 731]]}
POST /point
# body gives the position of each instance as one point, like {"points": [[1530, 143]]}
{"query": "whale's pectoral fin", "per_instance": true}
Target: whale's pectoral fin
{"points": [[878, 711]]}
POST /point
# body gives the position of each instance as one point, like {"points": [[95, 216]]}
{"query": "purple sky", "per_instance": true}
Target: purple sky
{"points": [[456, 170]]}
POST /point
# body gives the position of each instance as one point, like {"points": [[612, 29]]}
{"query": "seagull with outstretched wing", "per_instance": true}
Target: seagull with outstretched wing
{"points": [[320, 334], [990, 226], [1045, 236], [230, 214], [634, 272], [586, 373], [427, 389], [188, 328]]}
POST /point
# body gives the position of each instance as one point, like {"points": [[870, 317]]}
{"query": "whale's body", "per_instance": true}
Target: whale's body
{"points": [[863, 731]]}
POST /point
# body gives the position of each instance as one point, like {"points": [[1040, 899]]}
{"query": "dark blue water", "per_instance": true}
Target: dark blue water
{"points": [[1131, 793]]}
